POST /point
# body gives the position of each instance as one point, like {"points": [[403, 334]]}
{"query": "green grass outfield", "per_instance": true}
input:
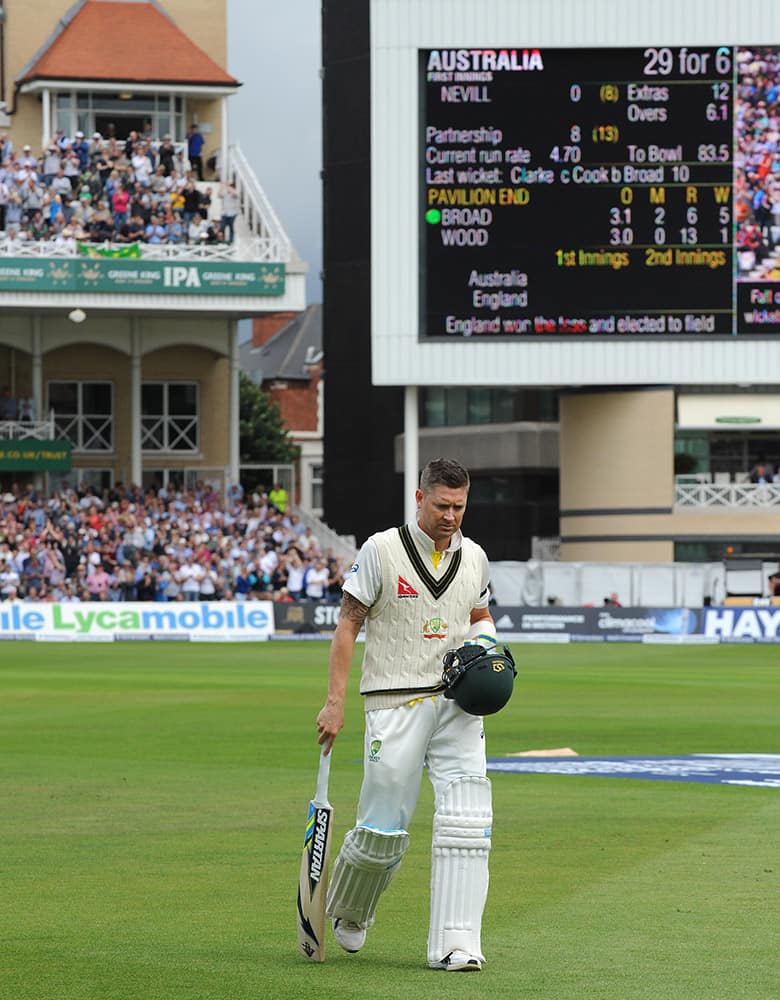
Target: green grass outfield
{"points": [[153, 798]]}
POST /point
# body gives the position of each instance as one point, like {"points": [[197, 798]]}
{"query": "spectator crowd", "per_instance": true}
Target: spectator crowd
{"points": [[129, 544], [111, 191], [757, 160]]}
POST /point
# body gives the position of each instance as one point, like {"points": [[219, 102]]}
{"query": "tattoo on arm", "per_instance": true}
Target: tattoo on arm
{"points": [[352, 609]]}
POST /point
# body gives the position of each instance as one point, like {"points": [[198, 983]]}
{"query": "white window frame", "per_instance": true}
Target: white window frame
{"points": [[72, 117], [174, 428], [81, 428]]}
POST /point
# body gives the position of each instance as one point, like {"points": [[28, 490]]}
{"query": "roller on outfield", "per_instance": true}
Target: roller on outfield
{"points": [[313, 879]]}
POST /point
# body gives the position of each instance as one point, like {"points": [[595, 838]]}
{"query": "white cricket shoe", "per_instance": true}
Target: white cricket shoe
{"points": [[459, 961], [350, 936]]}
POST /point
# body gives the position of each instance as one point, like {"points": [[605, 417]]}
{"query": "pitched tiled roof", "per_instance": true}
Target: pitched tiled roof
{"points": [[124, 41], [290, 351]]}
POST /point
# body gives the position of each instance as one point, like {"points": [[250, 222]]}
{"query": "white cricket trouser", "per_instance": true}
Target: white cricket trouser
{"points": [[433, 732]]}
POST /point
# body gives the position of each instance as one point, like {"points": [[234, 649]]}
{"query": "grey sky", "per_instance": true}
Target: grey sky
{"points": [[274, 50]]}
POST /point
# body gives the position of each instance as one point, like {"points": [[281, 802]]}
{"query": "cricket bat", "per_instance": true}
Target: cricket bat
{"points": [[313, 880]]}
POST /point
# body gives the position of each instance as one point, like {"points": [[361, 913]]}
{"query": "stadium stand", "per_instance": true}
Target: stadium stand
{"points": [[160, 545], [105, 191], [757, 177]]}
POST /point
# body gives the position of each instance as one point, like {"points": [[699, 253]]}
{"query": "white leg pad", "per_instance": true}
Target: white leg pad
{"points": [[459, 870], [363, 869]]}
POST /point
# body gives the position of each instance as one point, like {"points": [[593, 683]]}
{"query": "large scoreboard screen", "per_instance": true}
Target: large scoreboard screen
{"points": [[600, 192]]}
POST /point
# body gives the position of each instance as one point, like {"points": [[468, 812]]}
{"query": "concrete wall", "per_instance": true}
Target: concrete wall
{"points": [[616, 472], [616, 450], [624, 551]]}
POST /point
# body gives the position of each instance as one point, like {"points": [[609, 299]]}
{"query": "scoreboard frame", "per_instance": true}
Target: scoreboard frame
{"points": [[400, 356]]}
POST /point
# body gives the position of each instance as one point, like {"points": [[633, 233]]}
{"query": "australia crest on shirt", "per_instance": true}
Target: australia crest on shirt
{"points": [[434, 628]]}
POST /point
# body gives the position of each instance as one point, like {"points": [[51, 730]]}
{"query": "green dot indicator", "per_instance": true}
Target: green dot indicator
{"points": [[433, 216]]}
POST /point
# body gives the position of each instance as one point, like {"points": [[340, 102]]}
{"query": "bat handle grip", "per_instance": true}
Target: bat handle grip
{"points": [[323, 776]]}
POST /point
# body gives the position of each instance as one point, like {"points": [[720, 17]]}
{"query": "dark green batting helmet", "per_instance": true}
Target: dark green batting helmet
{"points": [[478, 680]]}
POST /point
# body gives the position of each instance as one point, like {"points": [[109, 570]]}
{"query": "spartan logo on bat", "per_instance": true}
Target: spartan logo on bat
{"points": [[316, 837], [306, 948]]}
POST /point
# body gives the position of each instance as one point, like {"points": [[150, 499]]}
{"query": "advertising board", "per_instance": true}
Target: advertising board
{"points": [[223, 621], [139, 276]]}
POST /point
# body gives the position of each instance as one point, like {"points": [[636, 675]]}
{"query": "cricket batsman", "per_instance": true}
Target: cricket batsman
{"points": [[429, 674]]}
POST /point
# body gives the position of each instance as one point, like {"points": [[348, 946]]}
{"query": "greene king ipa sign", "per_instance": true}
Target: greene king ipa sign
{"points": [[149, 277]]}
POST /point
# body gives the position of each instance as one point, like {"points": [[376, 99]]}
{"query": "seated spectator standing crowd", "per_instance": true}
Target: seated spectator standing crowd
{"points": [[757, 159], [129, 544], [105, 190]]}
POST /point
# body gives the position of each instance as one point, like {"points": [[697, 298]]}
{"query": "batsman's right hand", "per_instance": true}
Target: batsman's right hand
{"points": [[329, 723]]}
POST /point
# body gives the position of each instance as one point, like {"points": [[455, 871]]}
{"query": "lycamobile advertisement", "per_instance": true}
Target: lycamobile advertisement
{"points": [[202, 621]]}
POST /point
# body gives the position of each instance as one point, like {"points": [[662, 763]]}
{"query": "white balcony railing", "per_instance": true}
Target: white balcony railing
{"points": [[245, 248], [27, 430], [257, 213], [741, 496]]}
